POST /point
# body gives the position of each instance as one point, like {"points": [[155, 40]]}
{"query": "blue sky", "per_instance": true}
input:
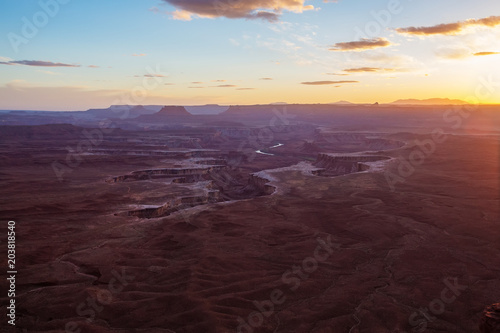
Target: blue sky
{"points": [[224, 57]]}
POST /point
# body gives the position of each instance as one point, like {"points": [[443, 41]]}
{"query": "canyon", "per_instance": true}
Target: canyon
{"points": [[175, 222]]}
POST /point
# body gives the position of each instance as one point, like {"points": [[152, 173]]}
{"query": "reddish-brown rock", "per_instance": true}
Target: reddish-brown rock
{"points": [[490, 322]]}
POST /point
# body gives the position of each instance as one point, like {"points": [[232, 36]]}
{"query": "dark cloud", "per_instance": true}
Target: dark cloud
{"points": [[450, 28], [361, 45], [37, 63], [485, 53], [269, 10], [322, 83]]}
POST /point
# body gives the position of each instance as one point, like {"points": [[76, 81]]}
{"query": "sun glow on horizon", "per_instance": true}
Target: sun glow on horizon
{"points": [[311, 52]]}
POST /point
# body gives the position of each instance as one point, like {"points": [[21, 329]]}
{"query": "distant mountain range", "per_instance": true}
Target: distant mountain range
{"points": [[343, 103], [430, 101], [413, 101]]}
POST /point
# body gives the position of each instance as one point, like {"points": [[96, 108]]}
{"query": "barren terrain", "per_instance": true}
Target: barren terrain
{"points": [[190, 229]]}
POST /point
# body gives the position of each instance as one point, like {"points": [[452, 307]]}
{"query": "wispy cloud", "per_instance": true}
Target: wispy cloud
{"points": [[485, 53], [93, 66], [322, 83], [245, 89], [269, 10], [151, 75], [451, 28], [37, 63], [182, 15], [368, 70], [47, 72], [20, 94], [266, 78], [218, 80], [361, 45], [139, 55], [226, 86], [454, 53]]}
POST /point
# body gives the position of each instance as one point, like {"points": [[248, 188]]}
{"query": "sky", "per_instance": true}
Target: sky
{"points": [[75, 55]]}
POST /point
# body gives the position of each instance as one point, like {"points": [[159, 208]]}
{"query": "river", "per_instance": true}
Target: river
{"points": [[275, 146]]}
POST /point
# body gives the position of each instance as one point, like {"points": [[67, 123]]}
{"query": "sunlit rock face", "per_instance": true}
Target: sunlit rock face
{"points": [[490, 321]]}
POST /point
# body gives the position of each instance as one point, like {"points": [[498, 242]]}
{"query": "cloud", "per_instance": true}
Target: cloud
{"points": [[322, 83], [234, 42], [226, 86], [368, 70], [269, 10], [196, 87], [361, 45], [182, 15], [93, 66], [454, 53], [245, 89], [37, 63], [485, 53], [338, 74], [19, 94], [395, 62], [47, 72], [266, 79], [139, 55], [218, 80], [151, 75], [451, 28]]}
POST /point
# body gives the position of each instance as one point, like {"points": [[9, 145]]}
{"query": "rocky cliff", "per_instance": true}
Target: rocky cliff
{"points": [[176, 111], [336, 165], [490, 321], [165, 173]]}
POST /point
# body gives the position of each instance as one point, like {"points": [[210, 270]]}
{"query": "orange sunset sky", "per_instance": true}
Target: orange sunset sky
{"points": [[73, 55]]}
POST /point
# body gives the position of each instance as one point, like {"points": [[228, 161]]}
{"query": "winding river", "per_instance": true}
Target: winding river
{"points": [[275, 146]]}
